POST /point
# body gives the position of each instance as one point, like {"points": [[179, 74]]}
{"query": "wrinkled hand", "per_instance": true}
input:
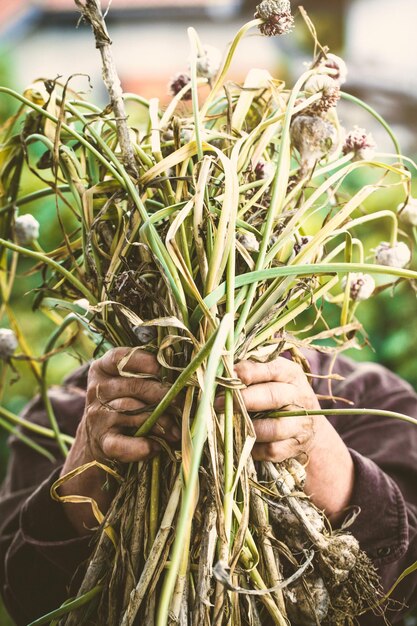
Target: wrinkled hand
{"points": [[116, 406], [279, 385], [105, 431], [282, 385]]}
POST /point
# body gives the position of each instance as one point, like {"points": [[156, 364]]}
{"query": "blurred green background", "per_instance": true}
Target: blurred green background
{"points": [[40, 39]]}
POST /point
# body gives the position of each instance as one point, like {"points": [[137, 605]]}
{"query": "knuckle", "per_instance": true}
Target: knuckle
{"points": [[245, 371], [272, 450]]}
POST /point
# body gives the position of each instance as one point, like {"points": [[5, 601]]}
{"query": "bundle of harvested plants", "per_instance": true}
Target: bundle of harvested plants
{"points": [[202, 236]]}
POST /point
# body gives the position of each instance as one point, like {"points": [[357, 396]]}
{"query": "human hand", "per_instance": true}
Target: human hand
{"points": [[103, 433], [282, 385]]}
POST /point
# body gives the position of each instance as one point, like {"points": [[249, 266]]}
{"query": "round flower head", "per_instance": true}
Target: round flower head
{"points": [[327, 87], [177, 83], [26, 229], [333, 62], [360, 143], [408, 213], [8, 343], [313, 137], [249, 242], [208, 62], [398, 255], [362, 286], [277, 17]]}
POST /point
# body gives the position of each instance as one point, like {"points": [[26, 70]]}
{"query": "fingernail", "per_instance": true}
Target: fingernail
{"points": [[176, 433]]}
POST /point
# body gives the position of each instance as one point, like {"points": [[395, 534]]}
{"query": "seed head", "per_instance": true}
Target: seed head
{"points": [[337, 64], [360, 143], [177, 83], [26, 229], [208, 62], [329, 90], [398, 255], [277, 17], [362, 286], [8, 343], [313, 137], [249, 242], [408, 213]]}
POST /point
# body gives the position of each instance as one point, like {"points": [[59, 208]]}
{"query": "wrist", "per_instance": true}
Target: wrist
{"points": [[330, 471]]}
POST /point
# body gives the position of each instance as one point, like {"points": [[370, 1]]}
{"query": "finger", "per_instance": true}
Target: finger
{"points": [[118, 419], [298, 428], [276, 451], [139, 361], [279, 370], [148, 391], [128, 449], [270, 396]]}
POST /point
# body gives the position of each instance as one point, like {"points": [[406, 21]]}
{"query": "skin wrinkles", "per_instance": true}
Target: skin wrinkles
{"points": [[103, 433]]}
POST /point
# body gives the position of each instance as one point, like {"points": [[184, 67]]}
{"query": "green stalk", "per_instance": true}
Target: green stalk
{"points": [[56, 266], [301, 270], [193, 37], [32, 197], [67, 607], [32, 444], [44, 390], [228, 400], [200, 434], [279, 190], [36, 428], [178, 385], [223, 71], [365, 411]]}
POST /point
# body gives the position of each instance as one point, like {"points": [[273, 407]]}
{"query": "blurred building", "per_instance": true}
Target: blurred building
{"points": [[40, 39]]}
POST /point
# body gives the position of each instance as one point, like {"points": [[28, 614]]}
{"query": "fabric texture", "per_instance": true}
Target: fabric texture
{"points": [[41, 553]]}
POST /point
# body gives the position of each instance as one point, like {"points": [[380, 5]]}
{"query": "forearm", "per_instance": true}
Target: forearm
{"points": [[92, 483], [330, 471]]}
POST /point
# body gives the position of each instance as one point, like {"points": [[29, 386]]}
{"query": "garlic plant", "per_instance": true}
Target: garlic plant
{"points": [[203, 237]]}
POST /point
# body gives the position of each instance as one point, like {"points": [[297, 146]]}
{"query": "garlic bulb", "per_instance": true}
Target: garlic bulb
{"points": [[398, 255], [362, 286], [313, 137], [26, 229], [8, 343], [208, 62], [249, 242], [408, 213], [145, 334]]}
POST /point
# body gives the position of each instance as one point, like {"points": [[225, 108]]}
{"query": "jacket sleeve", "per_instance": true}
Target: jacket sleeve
{"points": [[39, 550], [384, 452]]}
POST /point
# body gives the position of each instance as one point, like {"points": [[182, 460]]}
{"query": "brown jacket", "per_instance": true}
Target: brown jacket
{"points": [[40, 551]]}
